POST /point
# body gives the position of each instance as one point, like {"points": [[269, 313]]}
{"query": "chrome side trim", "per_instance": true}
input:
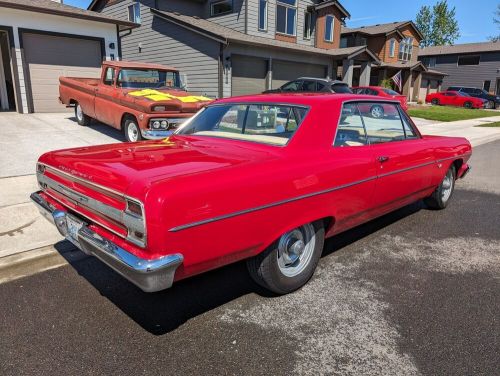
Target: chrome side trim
{"points": [[454, 157], [286, 201], [148, 274]]}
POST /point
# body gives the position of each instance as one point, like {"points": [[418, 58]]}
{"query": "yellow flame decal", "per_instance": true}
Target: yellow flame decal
{"points": [[157, 96]]}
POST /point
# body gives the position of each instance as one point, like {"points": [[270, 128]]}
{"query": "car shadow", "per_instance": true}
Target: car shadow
{"points": [[162, 312], [104, 129]]}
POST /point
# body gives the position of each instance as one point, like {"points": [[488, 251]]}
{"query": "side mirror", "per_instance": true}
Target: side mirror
{"points": [[184, 81]]}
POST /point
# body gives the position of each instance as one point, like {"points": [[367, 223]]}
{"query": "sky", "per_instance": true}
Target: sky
{"points": [[475, 17]]}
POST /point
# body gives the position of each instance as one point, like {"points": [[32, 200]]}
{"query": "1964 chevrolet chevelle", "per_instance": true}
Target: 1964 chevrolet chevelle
{"points": [[264, 178]]}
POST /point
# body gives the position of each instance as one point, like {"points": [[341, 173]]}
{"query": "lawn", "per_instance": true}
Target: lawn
{"points": [[444, 113], [494, 124]]}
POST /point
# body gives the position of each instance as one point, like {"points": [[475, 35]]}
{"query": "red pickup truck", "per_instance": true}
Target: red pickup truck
{"points": [[143, 100]]}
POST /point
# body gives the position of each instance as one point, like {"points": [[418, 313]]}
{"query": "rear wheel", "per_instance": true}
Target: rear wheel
{"points": [[289, 262], [377, 111], [435, 101], [132, 130], [442, 195], [468, 104], [81, 118]]}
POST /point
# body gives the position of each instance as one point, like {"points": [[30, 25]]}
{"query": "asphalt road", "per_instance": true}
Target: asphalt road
{"points": [[415, 292]]}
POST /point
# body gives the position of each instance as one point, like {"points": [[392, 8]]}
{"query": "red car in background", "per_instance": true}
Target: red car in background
{"points": [[455, 98], [382, 92]]}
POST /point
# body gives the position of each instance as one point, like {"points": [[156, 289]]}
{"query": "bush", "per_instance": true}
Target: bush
{"points": [[387, 82]]}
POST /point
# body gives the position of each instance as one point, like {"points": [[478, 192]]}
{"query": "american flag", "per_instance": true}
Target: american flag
{"points": [[397, 80]]}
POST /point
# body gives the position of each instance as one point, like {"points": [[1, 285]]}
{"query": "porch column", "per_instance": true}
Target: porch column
{"points": [[347, 71], [406, 83], [382, 75], [416, 86], [269, 75], [4, 98], [366, 71]]}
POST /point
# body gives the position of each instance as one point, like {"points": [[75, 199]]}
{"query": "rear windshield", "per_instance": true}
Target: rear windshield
{"points": [[263, 123], [148, 78], [390, 92], [341, 88]]}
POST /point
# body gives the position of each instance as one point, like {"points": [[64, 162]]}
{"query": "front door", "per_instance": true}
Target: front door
{"points": [[105, 96]]}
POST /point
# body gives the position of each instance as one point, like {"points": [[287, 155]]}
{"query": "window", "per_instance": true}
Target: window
{"points": [[307, 25], [109, 78], [148, 78], [382, 122], [134, 13], [486, 85], [405, 49], [263, 15], [341, 88], [432, 62], [286, 16], [350, 131], [329, 28], [264, 123], [309, 86], [292, 86], [408, 128], [221, 7], [468, 60], [343, 42], [392, 47]]}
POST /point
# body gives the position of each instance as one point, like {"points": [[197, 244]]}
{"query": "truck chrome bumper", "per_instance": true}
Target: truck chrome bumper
{"points": [[149, 275], [155, 135]]}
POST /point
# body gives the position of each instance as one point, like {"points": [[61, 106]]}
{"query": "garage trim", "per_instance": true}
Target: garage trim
{"points": [[26, 72], [13, 61]]}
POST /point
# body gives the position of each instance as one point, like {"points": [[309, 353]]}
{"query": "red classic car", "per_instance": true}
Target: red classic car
{"points": [[382, 92], [265, 178], [455, 98]]}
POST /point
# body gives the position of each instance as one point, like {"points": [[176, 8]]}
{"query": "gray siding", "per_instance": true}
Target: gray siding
{"points": [[234, 20], [468, 75], [165, 43], [253, 20]]}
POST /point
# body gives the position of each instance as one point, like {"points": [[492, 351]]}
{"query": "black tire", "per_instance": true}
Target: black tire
{"points": [[438, 200], [468, 104], [435, 101], [377, 111], [81, 118], [130, 123], [265, 269]]}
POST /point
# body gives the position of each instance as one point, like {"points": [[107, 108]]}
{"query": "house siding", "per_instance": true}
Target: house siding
{"points": [[468, 75], [163, 42], [234, 20]]}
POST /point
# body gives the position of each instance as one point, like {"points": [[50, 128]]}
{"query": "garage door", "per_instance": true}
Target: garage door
{"points": [[284, 71], [248, 75], [49, 57]]}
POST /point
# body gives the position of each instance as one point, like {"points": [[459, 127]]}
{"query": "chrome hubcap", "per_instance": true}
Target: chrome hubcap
{"points": [[377, 112], [79, 112], [132, 131], [447, 186], [295, 250]]}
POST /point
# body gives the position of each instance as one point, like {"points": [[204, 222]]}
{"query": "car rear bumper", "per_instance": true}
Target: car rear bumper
{"points": [[149, 275]]}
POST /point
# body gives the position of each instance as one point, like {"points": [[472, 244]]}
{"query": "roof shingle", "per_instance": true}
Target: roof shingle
{"points": [[460, 48]]}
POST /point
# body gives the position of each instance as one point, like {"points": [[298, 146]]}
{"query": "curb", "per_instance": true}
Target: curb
{"points": [[37, 260]]}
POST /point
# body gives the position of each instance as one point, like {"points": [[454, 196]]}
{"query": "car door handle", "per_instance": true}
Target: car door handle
{"points": [[383, 159]]}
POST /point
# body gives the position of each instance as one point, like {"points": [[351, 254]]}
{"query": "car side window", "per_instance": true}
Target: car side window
{"points": [[408, 128], [308, 86], [292, 86], [468, 90], [319, 86], [372, 92], [382, 122], [350, 130], [109, 77]]}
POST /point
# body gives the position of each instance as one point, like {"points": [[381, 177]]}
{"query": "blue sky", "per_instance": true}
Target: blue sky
{"points": [[475, 17]]}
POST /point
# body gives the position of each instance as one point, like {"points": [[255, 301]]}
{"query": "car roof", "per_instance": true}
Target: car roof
{"points": [[327, 80], [305, 99]]}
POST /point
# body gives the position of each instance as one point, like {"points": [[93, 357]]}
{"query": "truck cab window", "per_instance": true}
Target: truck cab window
{"points": [[109, 77]]}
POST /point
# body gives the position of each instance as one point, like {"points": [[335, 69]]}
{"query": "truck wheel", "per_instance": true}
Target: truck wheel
{"points": [[81, 118], [289, 263], [132, 130], [442, 195]]}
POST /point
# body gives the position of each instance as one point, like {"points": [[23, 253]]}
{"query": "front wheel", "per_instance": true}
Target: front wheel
{"points": [[435, 101], [81, 118], [290, 262], [442, 195], [468, 104], [377, 111], [131, 130]]}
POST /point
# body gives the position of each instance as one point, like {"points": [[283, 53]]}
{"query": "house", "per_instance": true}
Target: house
{"points": [[471, 64], [235, 47], [41, 40], [396, 44]]}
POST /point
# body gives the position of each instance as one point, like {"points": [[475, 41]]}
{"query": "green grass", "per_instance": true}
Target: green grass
{"points": [[494, 124], [447, 113]]}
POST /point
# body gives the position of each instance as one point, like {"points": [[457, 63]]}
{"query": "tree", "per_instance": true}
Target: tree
{"points": [[496, 21], [438, 25]]}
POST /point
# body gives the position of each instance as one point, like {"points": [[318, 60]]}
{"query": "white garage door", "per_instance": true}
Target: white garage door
{"points": [[284, 71], [48, 57], [248, 75]]}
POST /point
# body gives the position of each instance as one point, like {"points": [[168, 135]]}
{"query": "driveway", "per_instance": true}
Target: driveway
{"points": [[412, 293]]}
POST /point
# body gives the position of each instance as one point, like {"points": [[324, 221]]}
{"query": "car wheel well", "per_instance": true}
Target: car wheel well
{"points": [[125, 117], [328, 223], [72, 102], [457, 164]]}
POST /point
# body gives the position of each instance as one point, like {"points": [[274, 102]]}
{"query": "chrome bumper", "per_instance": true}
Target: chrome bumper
{"points": [[148, 275], [155, 135]]}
